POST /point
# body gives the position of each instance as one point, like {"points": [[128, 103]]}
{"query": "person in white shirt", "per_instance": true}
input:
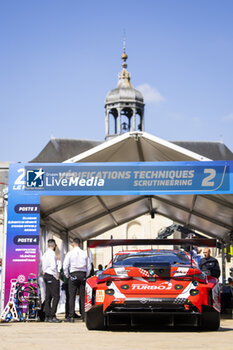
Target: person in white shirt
{"points": [[52, 283], [77, 267]]}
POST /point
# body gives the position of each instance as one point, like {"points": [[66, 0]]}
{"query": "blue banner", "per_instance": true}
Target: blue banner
{"points": [[123, 178]]}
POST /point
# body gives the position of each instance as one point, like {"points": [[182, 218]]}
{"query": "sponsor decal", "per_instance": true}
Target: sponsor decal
{"points": [[161, 286], [143, 300], [144, 272], [181, 271], [121, 271], [42, 179], [99, 298], [73, 181]]}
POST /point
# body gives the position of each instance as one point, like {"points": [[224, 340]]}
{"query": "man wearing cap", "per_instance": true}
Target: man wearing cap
{"points": [[77, 267], [52, 283]]}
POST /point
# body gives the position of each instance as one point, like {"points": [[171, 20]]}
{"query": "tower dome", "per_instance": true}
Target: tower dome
{"points": [[124, 106]]}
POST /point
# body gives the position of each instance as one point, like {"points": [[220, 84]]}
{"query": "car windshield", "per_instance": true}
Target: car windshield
{"points": [[151, 258]]}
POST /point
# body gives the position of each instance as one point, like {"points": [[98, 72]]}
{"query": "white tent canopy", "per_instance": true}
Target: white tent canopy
{"points": [[89, 216]]}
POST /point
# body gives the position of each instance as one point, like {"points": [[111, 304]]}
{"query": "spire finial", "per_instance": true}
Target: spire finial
{"points": [[124, 41], [124, 55]]}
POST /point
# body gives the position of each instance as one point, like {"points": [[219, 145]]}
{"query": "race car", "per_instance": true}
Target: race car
{"points": [[152, 286]]}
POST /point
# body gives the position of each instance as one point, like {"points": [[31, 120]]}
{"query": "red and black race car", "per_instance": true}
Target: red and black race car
{"points": [[154, 286]]}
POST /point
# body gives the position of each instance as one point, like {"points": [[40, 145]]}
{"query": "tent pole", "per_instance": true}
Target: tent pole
{"points": [[223, 265]]}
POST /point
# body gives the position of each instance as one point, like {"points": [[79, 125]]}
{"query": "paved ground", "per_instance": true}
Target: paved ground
{"points": [[62, 336]]}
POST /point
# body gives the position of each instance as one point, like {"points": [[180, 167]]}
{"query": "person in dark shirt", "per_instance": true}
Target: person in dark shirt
{"points": [[209, 264], [65, 288]]}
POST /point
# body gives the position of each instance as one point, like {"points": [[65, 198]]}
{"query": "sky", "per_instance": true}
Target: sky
{"points": [[60, 58]]}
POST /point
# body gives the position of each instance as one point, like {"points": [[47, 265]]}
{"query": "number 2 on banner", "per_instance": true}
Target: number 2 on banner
{"points": [[207, 180], [20, 181], [21, 178]]}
